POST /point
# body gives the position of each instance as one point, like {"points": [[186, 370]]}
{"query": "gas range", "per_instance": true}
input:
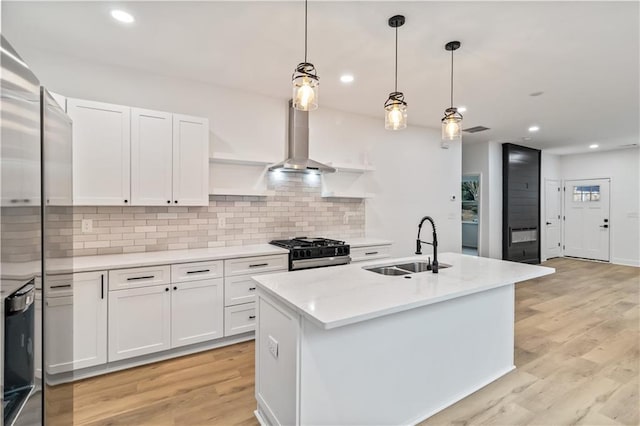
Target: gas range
{"points": [[305, 253]]}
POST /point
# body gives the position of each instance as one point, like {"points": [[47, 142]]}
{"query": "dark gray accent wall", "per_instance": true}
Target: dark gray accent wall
{"points": [[520, 203]]}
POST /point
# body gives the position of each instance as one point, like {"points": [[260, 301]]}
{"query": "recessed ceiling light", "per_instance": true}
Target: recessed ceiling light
{"points": [[122, 16], [462, 109], [346, 78], [534, 128], [594, 146]]}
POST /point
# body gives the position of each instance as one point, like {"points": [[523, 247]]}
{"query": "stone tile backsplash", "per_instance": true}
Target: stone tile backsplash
{"points": [[296, 209]]}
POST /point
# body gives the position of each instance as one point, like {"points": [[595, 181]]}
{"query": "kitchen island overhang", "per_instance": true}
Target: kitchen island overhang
{"points": [[344, 345]]}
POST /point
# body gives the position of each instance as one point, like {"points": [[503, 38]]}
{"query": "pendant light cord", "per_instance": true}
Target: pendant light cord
{"points": [[396, 81], [305, 31], [451, 78]]}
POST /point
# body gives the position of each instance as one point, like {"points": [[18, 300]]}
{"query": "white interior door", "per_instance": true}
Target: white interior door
{"points": [[552, 203], [587, 225]]}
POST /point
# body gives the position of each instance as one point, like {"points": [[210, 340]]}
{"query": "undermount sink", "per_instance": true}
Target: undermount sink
{"points": [[420, 266], [404, 268], [387, 270]]}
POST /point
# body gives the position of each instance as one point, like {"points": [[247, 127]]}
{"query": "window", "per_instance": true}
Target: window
{"points": [[582, 194], [470, 196]]}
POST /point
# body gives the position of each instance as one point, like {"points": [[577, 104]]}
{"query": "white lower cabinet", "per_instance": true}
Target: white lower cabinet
{"points": [[196, 311], [240, 290], [362, 254], [239, 319], [75, 323], [139, 321]]}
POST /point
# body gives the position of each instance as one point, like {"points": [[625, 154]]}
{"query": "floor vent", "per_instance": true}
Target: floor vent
{"points": [[475, 129]]}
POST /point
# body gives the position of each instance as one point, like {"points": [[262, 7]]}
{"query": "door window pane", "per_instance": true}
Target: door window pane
{"points": [[584, 193]]}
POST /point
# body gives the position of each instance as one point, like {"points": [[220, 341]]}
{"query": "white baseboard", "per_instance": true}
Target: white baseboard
{"points": [[626, 262], [110, 367]]}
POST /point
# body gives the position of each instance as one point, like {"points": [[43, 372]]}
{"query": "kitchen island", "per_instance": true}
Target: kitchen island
{"points": [[345, 345]]}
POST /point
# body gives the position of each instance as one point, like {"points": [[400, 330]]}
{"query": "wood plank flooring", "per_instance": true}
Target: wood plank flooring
{"points": [[577, 356]]}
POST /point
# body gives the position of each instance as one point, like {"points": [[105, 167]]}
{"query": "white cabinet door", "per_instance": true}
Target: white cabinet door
{"points": [[239, 319], [101, 153], [139, 321], [190, 160], [197, 312], [57, 152], [151, 157], [76, 326]]}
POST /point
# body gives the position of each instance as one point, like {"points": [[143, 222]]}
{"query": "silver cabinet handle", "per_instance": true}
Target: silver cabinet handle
{"points": [[257, 265], [252, 317], [370, 253], [252, 288]]}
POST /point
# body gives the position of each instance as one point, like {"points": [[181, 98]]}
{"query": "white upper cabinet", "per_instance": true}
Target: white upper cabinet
{"points": [[101, 152], [132, 156], [190, 160], [57, 152], [151, 157]]}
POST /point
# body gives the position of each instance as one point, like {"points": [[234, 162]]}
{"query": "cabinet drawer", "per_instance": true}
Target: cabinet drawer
{"points": [[238, 290], [360, 254], [239, 319], [64, 285], [120, 279], [59, 285], [196, 271], [255, 265]]}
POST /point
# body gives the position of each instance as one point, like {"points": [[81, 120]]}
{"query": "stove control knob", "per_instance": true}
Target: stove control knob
{"points": [[295, 254], [308, 253]]}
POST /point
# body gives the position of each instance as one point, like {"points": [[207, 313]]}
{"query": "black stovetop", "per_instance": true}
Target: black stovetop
{"points": [[305, 242]]}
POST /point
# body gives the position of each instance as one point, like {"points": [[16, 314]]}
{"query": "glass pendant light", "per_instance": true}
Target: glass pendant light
{"points": [[305, 79], [395, 108], [452, 120]]}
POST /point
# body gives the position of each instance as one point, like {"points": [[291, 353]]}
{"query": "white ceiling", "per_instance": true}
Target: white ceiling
{"points": [[584, 56]]}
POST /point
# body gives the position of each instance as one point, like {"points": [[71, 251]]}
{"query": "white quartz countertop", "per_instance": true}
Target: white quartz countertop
{"points": [[367, 242], [341, 295], [134, 260], [26, 270]]}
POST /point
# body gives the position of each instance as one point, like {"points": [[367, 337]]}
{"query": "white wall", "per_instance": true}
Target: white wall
{"points": [[475, 161], [622, 166], [413, 177], [485, 158]]}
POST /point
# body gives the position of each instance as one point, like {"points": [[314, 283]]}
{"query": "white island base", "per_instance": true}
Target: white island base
{"points": [[394, 369]]}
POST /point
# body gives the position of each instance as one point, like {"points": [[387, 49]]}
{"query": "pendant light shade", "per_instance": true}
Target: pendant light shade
{"points": [[395, 108], [395, 112], [452, 120], [305, 79]]}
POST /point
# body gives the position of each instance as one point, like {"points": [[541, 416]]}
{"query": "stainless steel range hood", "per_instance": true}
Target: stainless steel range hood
{"points": [[298, 147]]}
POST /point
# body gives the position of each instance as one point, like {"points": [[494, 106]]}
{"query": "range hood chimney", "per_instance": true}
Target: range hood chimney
{"points": [[298, 146]]}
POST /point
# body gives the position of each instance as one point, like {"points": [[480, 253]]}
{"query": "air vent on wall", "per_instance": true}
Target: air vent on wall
{"points": [[475, 129]]}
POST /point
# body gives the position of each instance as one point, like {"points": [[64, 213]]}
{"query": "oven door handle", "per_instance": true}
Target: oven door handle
{"points": [[21, 300]]}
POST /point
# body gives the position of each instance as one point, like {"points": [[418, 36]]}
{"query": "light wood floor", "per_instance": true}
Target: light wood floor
{"points": [[577, 357]]}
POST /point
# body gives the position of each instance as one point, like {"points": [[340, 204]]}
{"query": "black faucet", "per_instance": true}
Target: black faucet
{"points": [[434, 243]]}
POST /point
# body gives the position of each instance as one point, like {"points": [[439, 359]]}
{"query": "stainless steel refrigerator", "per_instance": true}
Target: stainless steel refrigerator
{"points": [[35, 197]]}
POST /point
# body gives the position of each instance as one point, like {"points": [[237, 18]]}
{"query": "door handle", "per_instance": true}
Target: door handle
{"points": [[548, 223], [604, 226]]}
